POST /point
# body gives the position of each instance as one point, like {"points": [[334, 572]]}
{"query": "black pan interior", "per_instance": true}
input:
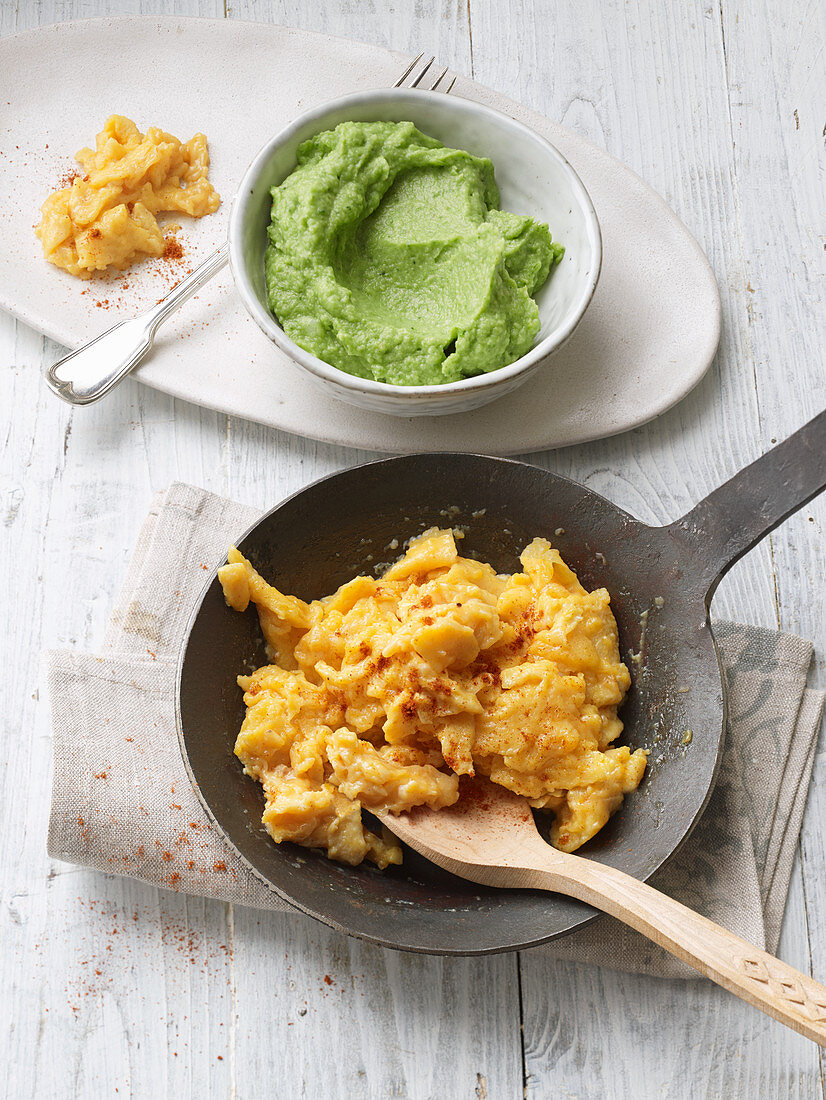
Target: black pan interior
{"points": [[345, 524]]}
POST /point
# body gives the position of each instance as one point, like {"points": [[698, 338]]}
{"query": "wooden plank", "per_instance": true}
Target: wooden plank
{"points": [[96, 976], [347, 1019], [778, 105], [655, 73], [649, 83], [438, 27], [412, 1026], [106, 984]]}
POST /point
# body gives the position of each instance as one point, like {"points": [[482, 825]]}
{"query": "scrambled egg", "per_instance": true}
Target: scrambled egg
{"points": [[106, 218], [384, 693]]}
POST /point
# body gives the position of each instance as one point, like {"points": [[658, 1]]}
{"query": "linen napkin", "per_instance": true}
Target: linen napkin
{"points": [[122, 801]]}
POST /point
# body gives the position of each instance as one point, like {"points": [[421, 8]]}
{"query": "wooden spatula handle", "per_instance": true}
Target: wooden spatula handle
{"points": [[759, 978]]}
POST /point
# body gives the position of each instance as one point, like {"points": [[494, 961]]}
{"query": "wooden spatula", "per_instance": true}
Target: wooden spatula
{"points": [[489, 836]]}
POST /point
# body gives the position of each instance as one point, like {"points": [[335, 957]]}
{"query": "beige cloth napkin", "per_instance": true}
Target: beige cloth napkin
{"points": [[122, 801]]}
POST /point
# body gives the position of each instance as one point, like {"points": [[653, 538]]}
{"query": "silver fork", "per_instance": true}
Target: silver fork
{"points": [[416, 72], [86, 375]]}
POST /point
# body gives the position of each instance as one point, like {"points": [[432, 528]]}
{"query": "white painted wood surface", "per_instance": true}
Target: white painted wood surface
{"points": [[109, 987]]}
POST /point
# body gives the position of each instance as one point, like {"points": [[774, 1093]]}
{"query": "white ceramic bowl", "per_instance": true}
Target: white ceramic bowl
{"points": [[533, 178]]}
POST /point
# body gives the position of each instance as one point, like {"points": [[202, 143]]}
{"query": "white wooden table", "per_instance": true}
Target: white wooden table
{"points": [[110, 987]]}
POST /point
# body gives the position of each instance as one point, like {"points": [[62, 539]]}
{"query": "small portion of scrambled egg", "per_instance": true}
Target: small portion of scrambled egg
{"points": [[106, 218], [383, 694]]}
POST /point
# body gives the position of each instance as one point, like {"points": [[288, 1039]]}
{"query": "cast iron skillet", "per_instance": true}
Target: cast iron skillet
{"points": [[346, 523]]}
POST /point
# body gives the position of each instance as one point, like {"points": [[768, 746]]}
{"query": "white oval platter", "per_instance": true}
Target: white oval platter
{"points": [[648, 337]]}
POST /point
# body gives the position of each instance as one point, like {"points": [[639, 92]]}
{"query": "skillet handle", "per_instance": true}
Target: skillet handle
{"points": [[735, 517], [760, 979]]}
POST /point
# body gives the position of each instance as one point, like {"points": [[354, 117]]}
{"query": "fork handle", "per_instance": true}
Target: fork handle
{"points": [[732, 962]]}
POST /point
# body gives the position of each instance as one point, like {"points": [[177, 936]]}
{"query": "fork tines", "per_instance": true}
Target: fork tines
{"points": [[419, 69]]}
